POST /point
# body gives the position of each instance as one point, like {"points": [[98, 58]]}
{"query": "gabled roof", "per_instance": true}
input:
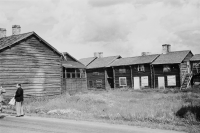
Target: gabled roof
{"points": [[102, 62], [11, 40], [135, 60], [72, 64], [175, 57], [196, 57], [87, 61]]}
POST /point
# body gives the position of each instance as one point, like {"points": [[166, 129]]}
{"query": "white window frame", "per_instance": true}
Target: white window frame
{"points": [[170, 77], [120, 81]]}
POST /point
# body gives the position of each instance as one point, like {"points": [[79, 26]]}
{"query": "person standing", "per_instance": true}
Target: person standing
{"points": [[1, 97], [19, 98]]}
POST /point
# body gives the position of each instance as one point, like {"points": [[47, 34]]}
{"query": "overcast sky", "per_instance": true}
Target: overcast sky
{"points": [[114, 27]]}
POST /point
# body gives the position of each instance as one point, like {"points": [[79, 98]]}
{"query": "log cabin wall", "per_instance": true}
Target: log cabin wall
{"points": [[174, 71], [135, 73], [33, 64], [122, 72], [146, 73], [96, 78]]}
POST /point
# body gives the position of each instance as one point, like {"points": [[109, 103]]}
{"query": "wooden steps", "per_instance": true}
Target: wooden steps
{"points": [[186, 81]]}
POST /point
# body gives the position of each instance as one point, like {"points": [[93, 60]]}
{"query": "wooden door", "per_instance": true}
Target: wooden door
{"points": [[136, 83], [161, 82]]}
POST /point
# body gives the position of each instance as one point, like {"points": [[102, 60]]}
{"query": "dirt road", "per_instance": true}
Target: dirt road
{"points": [[27, 124]]}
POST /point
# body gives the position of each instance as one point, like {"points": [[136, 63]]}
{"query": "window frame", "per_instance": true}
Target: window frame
{"points": [[120, 81]]}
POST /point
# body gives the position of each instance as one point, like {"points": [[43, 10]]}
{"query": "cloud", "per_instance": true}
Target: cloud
{"points": [[125, 27]]}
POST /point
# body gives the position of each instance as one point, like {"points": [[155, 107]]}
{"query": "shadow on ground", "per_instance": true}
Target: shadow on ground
{"points": [[189, 112]]}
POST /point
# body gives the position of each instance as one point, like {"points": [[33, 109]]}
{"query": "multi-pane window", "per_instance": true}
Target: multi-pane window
{"points": [[122, 81], [141, 68], [166, 68], [122, 70]]}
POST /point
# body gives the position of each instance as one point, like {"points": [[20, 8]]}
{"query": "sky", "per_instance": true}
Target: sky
{"points": [[114, 27]]}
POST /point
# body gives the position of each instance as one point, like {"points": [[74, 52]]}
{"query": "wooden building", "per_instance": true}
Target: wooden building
{"points": [[195, 67], [171, 69], [74, 74], [133, 72], [30, 60], [99, 72]]}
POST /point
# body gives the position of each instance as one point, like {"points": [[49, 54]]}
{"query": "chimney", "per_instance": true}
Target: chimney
{"points": [[2, 32], [100, 54], [145, 53], [16, 29], [96, 54], [166, 48]]}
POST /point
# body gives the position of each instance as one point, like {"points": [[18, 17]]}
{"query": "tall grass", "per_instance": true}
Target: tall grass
{"points": [[133, 107]]}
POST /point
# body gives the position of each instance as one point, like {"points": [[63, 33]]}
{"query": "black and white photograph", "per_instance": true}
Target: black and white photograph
{"points": [[99, 66]]}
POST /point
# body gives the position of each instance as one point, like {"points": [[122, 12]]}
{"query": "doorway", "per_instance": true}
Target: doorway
{"points": [[136, 83], [161, 82]]}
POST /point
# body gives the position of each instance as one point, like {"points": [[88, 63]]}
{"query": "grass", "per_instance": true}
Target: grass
{"points": [[165, 109]]}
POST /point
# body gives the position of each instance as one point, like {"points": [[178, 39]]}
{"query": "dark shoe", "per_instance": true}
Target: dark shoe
{"points": [[17, 116], [21, 115]]}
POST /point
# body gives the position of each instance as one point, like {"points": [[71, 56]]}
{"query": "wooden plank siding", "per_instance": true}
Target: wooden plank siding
{"points": [[131, 72], [158, 72], [139, 74], [95, 75], [33, 64], [127, 74]]}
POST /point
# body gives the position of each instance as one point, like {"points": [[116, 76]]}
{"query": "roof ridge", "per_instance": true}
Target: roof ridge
{"points": [[18, 34]]}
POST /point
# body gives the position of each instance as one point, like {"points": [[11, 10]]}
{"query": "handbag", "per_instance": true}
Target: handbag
{"points": [[12, 101]]}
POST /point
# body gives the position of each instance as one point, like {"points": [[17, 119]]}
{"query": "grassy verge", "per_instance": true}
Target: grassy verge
{"points": [[150, 108]]}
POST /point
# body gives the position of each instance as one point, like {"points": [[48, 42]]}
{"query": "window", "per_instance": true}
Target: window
{"points": [[141, 68], [171, 80], [122, 70], [166, 68], [122, 81]]}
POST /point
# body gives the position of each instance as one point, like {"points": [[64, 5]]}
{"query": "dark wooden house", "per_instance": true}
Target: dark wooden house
{"points": [[99, 72], [172, 69], [74, 74], [195, 67], [133, 72], [30, 60]]}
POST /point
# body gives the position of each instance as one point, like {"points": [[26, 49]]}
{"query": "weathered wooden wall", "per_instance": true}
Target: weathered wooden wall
{"points": [[118, 75], [135, 73], [75, 84], [139, 74], [33, 64], [158, 71], [92, 77]]}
